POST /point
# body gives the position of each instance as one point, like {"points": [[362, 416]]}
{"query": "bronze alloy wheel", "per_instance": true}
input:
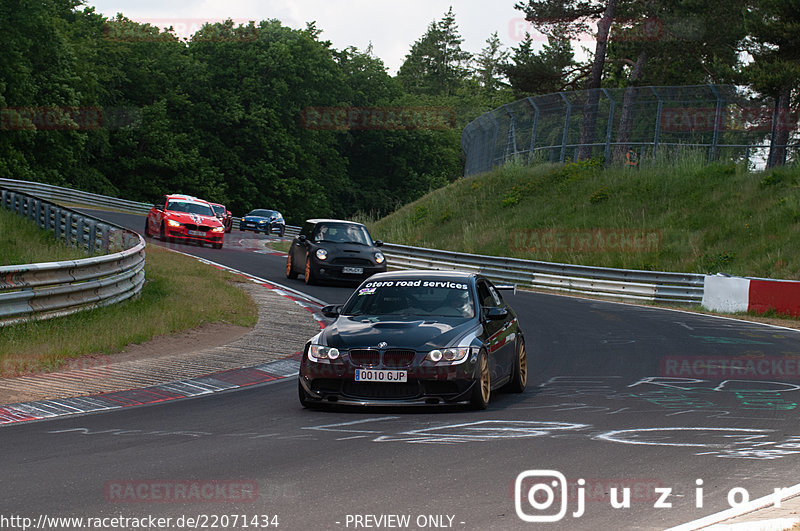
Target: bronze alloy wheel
{"points": [[309, 273], [482, 392], [519, 378]]}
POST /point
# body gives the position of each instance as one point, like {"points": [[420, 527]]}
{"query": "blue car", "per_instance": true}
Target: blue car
{"points": [[263, 220]]}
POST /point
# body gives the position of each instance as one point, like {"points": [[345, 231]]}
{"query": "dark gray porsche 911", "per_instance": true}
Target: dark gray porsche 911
{"points": [[416, 337]]}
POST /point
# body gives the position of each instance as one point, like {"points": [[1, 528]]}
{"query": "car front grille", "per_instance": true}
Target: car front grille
{"points": [[380, 390], [348, 261], [192, 226], [365, 357], [398, 358]]}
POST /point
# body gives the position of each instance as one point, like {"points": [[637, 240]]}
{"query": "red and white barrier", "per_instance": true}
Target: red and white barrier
{"points": [[736, 294]]}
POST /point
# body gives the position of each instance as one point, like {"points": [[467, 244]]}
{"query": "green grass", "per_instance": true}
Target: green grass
{"points": [[22, 242], [703, 218], [282, 247], [179, 294]]}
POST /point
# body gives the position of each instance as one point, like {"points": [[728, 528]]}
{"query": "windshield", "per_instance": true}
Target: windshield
{"points": [[412, 298], [264, 213], [342, 232], [190, 208]]}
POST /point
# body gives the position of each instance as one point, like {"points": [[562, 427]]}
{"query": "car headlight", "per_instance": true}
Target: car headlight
{"points": [[262, 221], [322, 254], [379, 258], [321, 352], [451, 354], [173, 223], [218, 229]]}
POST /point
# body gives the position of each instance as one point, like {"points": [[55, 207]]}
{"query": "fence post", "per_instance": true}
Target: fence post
{"points": [[657, 133], [535, 126], [712, 155], [607, 152], [511, 139], [494, 140], [566, 127]]}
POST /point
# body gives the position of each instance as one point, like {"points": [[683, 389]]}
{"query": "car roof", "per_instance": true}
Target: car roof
{"points": [[188, 198], [324, 220], [424, 273], [216, 204]]}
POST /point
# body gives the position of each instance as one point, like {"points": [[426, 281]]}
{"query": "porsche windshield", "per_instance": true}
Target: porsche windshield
{"points": [[342, 232], [190, 208], [420, 298]]}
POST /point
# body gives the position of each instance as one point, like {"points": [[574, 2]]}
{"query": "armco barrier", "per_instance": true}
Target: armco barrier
{"points": [[45, 290], [617, 283]]}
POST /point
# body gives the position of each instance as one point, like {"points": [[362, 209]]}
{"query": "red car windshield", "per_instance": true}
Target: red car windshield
{"points": [[190, 208]]}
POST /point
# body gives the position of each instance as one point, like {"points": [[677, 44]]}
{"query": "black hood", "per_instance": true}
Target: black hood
{"points": [[413, 333]]}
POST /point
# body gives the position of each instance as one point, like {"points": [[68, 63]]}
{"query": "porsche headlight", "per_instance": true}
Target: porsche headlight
{"points": [[450, 354], [321, 352], [379, 258], [173, 223], [322, 254]]}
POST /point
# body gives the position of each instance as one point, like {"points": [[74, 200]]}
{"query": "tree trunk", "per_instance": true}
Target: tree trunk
{"points": [[782, 124], [595, 79], [626, 115]]}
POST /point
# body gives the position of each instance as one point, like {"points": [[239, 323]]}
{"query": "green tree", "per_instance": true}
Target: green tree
{"points": [[436, 63], [553, 69], [773, 27], [490, 63]]}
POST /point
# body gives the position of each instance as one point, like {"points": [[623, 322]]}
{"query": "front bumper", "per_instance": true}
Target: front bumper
{"points": [[426, 385], [181, 233], [336, 272]]}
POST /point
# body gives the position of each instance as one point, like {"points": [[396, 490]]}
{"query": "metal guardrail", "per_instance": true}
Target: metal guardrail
{"points": [[45, 290], [626, 284], [617, 283]]}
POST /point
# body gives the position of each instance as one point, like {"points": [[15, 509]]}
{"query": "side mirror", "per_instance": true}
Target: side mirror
{"points": [[378, 243], [331, 311], [302, 238], [495, 313]]}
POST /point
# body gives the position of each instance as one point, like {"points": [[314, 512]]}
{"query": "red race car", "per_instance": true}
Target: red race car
{"points": [[224, 215], [184, 218]]}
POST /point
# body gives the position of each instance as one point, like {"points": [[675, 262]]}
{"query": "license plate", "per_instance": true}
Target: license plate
{"points": [[353, 270], [196, 233], [370, 375]]}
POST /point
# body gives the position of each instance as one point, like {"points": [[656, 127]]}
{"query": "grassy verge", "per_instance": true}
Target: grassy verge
{"points": [[180, 293], [22, 242], [282, 247], [703, 218]]}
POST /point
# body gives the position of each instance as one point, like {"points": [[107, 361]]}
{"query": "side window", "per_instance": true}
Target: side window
{"points": [[308, 228], [161, 202], [498, 300], [485, 295]]}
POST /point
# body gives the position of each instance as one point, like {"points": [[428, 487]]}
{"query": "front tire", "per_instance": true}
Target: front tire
{"points": [[305, 400], [163, 234], [482, 392], [309, 276], [290, 274], [519, 377], [147, 229]]}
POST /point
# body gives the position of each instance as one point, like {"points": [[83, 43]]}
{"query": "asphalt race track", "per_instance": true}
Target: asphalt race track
{"points": [[609, 401]]}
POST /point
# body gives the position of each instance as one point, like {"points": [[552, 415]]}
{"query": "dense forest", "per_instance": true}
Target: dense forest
{"points": [[263, 115]]}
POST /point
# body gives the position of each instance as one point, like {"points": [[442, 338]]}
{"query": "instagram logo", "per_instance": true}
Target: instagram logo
{"points": [[540, 488]]}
